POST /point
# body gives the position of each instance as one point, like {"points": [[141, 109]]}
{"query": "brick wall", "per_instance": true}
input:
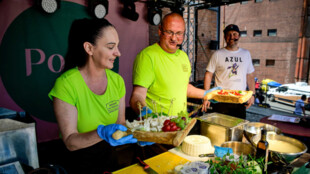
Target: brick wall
{"points": [[206, 31], [283, 15]]}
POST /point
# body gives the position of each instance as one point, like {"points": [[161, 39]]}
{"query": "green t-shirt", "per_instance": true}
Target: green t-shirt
{"points": [[165, 75], [93, 109]]}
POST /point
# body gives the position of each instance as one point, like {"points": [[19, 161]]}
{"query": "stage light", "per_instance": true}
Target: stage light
{"points": [[129, 10], [178, 9], [48, 6], [154, 15], [98, 8]]}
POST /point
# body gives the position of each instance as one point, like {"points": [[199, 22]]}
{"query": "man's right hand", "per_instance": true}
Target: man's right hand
{"points": [[210, 90], [205, 105], [206, 102], [138, 96], [145, 110]]}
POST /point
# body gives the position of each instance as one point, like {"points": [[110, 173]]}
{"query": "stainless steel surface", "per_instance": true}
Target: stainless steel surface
{"points": [[254, 128], [248, 139], [220, 128], [277, 156], [240, 148]]}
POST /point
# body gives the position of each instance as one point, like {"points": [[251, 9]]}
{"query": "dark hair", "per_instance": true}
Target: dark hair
{"points": [[83, 30], [303, 97]]}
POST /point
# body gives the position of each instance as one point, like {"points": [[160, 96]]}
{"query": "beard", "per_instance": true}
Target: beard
{"points": [[232, 43]]}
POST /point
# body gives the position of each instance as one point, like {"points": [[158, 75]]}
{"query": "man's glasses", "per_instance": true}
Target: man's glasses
{"points": [[171, 33]]}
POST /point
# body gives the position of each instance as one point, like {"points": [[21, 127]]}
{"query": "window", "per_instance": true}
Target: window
{"points": [[257, 33], [243, 2], [272, 32], [256, 1], [256, 62], [243, 33], [270, 62]]}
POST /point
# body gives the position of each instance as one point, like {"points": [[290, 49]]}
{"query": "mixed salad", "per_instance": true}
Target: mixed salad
{"points": [[157, 123]]}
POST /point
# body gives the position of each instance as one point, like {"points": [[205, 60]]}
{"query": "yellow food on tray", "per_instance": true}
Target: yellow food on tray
{"points": [[230, 96]]}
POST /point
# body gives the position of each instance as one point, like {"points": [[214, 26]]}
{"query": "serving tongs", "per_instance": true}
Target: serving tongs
{"points": [[248, 139], [196, 109]]}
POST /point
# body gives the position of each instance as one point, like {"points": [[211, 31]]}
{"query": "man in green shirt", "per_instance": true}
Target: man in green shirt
{"points": [[161, 72]]}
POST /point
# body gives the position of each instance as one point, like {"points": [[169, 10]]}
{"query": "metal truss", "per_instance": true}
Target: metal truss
{"points": [[189, 15], [189, 40]]}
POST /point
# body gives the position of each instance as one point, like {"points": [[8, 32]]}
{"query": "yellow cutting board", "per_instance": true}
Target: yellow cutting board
{"points": [[162, 163]]}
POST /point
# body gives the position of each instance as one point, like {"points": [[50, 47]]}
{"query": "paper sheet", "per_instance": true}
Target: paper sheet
{"points": [[284, 118]]}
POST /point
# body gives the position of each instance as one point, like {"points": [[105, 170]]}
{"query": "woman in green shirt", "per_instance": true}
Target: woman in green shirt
{"points": [[89, 98]]}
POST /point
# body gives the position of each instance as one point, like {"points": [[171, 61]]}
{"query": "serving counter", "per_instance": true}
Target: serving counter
{"points": [[166, 162], [227, 129]]}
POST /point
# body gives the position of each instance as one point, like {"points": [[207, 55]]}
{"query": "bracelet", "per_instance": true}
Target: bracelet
{"points": [[253, 95]]}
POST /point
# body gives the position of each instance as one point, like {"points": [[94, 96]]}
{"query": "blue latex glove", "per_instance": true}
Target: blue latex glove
{"points": [[212, 89], [221, 151], [105, 133], [144, 143], [143, 112]]}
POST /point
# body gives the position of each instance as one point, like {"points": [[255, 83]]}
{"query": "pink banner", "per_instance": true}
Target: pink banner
{"points": [[133, 38]]}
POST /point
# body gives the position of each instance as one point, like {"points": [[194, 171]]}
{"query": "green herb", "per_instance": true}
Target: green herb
{"points": [[164, 114], [183, 114], [153, 115], [243, 165]]}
